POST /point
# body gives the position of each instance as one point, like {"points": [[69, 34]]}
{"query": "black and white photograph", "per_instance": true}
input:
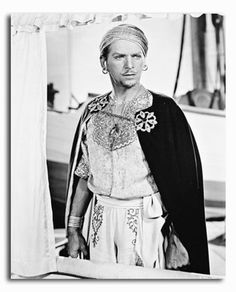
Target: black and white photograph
{"points": [[118, 129]]}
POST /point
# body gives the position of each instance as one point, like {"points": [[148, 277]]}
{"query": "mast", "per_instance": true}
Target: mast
{"points": [[208, 77], [198, 40]]}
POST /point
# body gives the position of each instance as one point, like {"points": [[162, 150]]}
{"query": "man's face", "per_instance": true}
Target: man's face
{"points": [[125, 63]]}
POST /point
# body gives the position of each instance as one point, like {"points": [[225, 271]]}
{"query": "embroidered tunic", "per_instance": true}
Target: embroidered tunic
{"points": [[112, 160]]}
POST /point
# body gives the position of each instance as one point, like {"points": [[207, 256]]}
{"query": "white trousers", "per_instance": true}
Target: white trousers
{"points": [[127, 231]]}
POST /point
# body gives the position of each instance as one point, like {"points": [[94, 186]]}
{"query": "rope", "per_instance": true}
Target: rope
{"points": [[180, 55]]}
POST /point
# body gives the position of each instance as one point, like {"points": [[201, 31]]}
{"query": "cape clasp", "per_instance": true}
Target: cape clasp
{"points": [[145, 121]]}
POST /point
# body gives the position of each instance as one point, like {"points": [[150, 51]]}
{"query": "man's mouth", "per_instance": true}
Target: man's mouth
{"points": [[129, 74]]}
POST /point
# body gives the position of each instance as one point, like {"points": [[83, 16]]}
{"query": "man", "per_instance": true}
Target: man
{"points": [[135, 156]]}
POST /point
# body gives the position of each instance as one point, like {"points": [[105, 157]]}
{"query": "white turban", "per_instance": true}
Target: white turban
{"points": [[124, 32]]}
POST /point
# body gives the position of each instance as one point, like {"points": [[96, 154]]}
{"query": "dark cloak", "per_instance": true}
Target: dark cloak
{"points": [[173, 157]]}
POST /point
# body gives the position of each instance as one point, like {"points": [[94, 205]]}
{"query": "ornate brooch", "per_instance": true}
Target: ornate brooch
{"points": [[145, 121], [98, 103]]}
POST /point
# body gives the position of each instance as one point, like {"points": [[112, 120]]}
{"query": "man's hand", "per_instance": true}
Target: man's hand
{"points": [[76, 243], [176, 254]]}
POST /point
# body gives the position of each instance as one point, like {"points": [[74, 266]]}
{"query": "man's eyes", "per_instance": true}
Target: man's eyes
{"points": [[119, 57]]}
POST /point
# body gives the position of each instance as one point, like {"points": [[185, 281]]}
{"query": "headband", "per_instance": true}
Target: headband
{"points": [[124, 32]]}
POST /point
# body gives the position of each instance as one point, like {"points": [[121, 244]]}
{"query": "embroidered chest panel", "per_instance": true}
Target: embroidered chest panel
{"points": [[114, 131]]}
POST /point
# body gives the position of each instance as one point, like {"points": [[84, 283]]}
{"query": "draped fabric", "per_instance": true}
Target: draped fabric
{"points": [[54, 21], [32, 235]]}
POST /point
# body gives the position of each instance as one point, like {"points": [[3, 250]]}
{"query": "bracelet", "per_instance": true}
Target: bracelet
{"points": [[76, 222]]}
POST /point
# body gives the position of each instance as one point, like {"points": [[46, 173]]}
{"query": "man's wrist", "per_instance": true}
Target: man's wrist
{"points": [[75, 225], [76, 221], [73, 230]]}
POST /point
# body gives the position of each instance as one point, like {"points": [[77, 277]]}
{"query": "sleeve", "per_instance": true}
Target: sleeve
{"points": [[82, 169]]}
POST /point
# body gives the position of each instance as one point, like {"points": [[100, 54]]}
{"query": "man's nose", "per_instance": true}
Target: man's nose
{"points": [[129, 62]]}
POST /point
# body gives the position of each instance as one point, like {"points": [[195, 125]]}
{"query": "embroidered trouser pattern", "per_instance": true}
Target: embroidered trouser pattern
{"points": [[114, 231]]}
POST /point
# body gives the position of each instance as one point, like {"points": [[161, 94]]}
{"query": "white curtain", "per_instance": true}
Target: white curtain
{"points": [[32, 235]]}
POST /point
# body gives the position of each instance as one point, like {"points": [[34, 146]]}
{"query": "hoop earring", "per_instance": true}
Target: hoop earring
{"points": [[145, 67], [104, 71]]}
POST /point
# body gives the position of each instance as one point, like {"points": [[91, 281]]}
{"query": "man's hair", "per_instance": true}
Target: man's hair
{"points": [[123, 32]]}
